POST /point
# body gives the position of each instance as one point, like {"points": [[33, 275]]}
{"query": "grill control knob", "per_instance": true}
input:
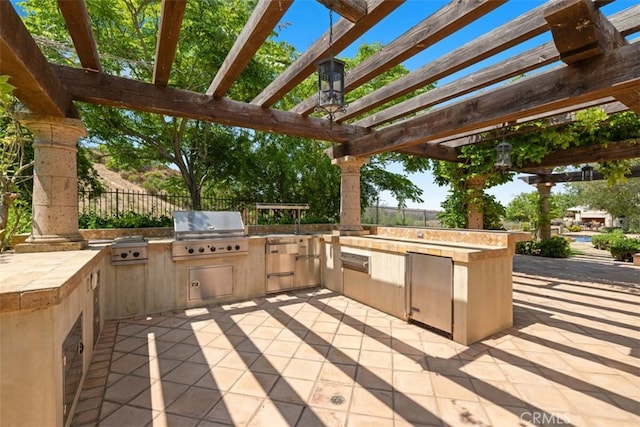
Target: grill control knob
{"points": [[136, 254], [123, 255], [201, 250], [229, 248], [212, 249], [237, 247], [190, 250]]}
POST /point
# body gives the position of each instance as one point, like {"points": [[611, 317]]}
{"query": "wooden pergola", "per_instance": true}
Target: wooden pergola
{"points": [[598, 66]]}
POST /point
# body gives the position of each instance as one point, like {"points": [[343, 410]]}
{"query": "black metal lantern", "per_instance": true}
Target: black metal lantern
{"points": [[330, 80], [503, 156], [331, 86], [587, 173]]}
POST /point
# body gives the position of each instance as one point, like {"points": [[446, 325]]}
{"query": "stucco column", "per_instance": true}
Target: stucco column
{"points": [[54, 223], [475, 216], [350, 192], [544, 208]]}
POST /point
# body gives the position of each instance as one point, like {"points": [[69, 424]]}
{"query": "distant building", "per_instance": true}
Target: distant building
{"points": [[590, 218]]}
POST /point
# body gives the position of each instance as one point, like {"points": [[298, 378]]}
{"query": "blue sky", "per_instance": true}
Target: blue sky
{"points": [[306, 20]]}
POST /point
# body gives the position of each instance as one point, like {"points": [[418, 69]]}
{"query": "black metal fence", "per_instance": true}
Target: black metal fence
{"points": [[115, 203]]}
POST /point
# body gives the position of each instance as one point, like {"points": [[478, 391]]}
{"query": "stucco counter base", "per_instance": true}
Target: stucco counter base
{"points": [[482, 281]]}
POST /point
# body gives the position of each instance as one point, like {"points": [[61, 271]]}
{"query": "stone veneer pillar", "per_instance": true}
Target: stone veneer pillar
{"points": [[475, 216], [54, 223], [544, 192], [350, 192]]}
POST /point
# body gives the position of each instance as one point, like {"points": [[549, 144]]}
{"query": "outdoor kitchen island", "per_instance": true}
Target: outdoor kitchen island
{"points": [[479, 280], [53, 305]]}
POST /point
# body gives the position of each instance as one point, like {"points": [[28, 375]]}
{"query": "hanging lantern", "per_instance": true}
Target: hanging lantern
{"points": [[503, 157], [331, 86], [330, 80], [587, 173]]}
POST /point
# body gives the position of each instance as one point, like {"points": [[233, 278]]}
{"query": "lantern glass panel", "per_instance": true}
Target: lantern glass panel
{"points": [[587, 173], [503, 159], [331, 85]]}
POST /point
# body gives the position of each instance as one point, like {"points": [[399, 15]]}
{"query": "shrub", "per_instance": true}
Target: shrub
{"points": [[526, 248], [126, 220], [603, 241], [623, 248], [574, 228], [555, 247]]}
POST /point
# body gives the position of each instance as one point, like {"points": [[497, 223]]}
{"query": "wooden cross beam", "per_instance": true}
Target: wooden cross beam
{"points": [[581, 32]]}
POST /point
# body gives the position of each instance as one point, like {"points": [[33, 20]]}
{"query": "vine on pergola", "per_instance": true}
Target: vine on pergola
{"points": [[591, 127]]}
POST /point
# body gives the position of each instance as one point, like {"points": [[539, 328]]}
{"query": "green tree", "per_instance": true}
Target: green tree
{"points": [[16, 162], [621, 200], [126, 33], [455, 208], [592, 126]]}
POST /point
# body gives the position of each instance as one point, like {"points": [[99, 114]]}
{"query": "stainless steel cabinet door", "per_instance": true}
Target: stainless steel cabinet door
{"points": [[430, 290], [210, 282]]}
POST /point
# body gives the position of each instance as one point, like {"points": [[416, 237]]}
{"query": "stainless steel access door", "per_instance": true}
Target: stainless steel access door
{"points": [[280, 264], [430, 290]]}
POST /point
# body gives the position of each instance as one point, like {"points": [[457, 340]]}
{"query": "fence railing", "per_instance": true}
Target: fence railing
{"points": [[115, 203]]}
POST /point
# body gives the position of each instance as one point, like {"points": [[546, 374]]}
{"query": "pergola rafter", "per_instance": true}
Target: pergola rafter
{"points": [[602, 67]]}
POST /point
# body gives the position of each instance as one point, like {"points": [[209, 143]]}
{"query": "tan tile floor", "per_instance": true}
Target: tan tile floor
{"points": [[315, 358]]}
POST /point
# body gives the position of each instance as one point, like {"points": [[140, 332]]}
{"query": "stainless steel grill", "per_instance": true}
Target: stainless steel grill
{"points": [[205, 234]]}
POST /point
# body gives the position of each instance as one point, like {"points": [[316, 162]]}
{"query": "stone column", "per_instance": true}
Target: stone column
{"points": [[475, 217], [54, 223], [544, 208], [350, 192]]}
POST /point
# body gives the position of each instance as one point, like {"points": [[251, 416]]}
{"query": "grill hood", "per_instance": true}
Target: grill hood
{"points": [[205, 224]]}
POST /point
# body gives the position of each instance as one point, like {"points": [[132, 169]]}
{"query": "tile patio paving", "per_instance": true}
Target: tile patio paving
{"points": [[316, 358]]}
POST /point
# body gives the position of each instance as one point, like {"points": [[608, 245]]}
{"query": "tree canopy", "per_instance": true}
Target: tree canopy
{"points": [[212, 159]]}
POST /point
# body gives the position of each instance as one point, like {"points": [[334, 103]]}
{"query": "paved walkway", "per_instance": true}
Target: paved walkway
{"points": [[317, 358]]}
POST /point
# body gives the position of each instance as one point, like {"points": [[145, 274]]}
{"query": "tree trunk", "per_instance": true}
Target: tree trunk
{"points": [[6, 199]]}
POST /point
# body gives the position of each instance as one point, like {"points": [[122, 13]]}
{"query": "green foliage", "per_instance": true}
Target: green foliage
{"points": [[623, 248], [575, 228], [456, 206], [129, 219], [621, 200], [555, 247], [603, 241], [528, 247], [476, 160]]}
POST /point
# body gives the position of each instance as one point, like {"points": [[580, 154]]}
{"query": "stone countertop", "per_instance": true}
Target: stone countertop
{"points": [[38, 280], [460, 252]]}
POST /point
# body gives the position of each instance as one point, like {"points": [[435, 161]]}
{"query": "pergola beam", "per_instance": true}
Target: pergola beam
{"points": [[104, 89], [580, 32], [575, 176], [590, 154], [436, 27], [353, 10], [626, 21], [607, 75], [344, 33], [37, 86], [554, 120], [264, 18], [76, 18], [518, 30], [168, 36]]}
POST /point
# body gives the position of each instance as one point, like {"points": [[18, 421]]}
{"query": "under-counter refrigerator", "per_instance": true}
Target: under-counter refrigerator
{"points": [[429, 290]]}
